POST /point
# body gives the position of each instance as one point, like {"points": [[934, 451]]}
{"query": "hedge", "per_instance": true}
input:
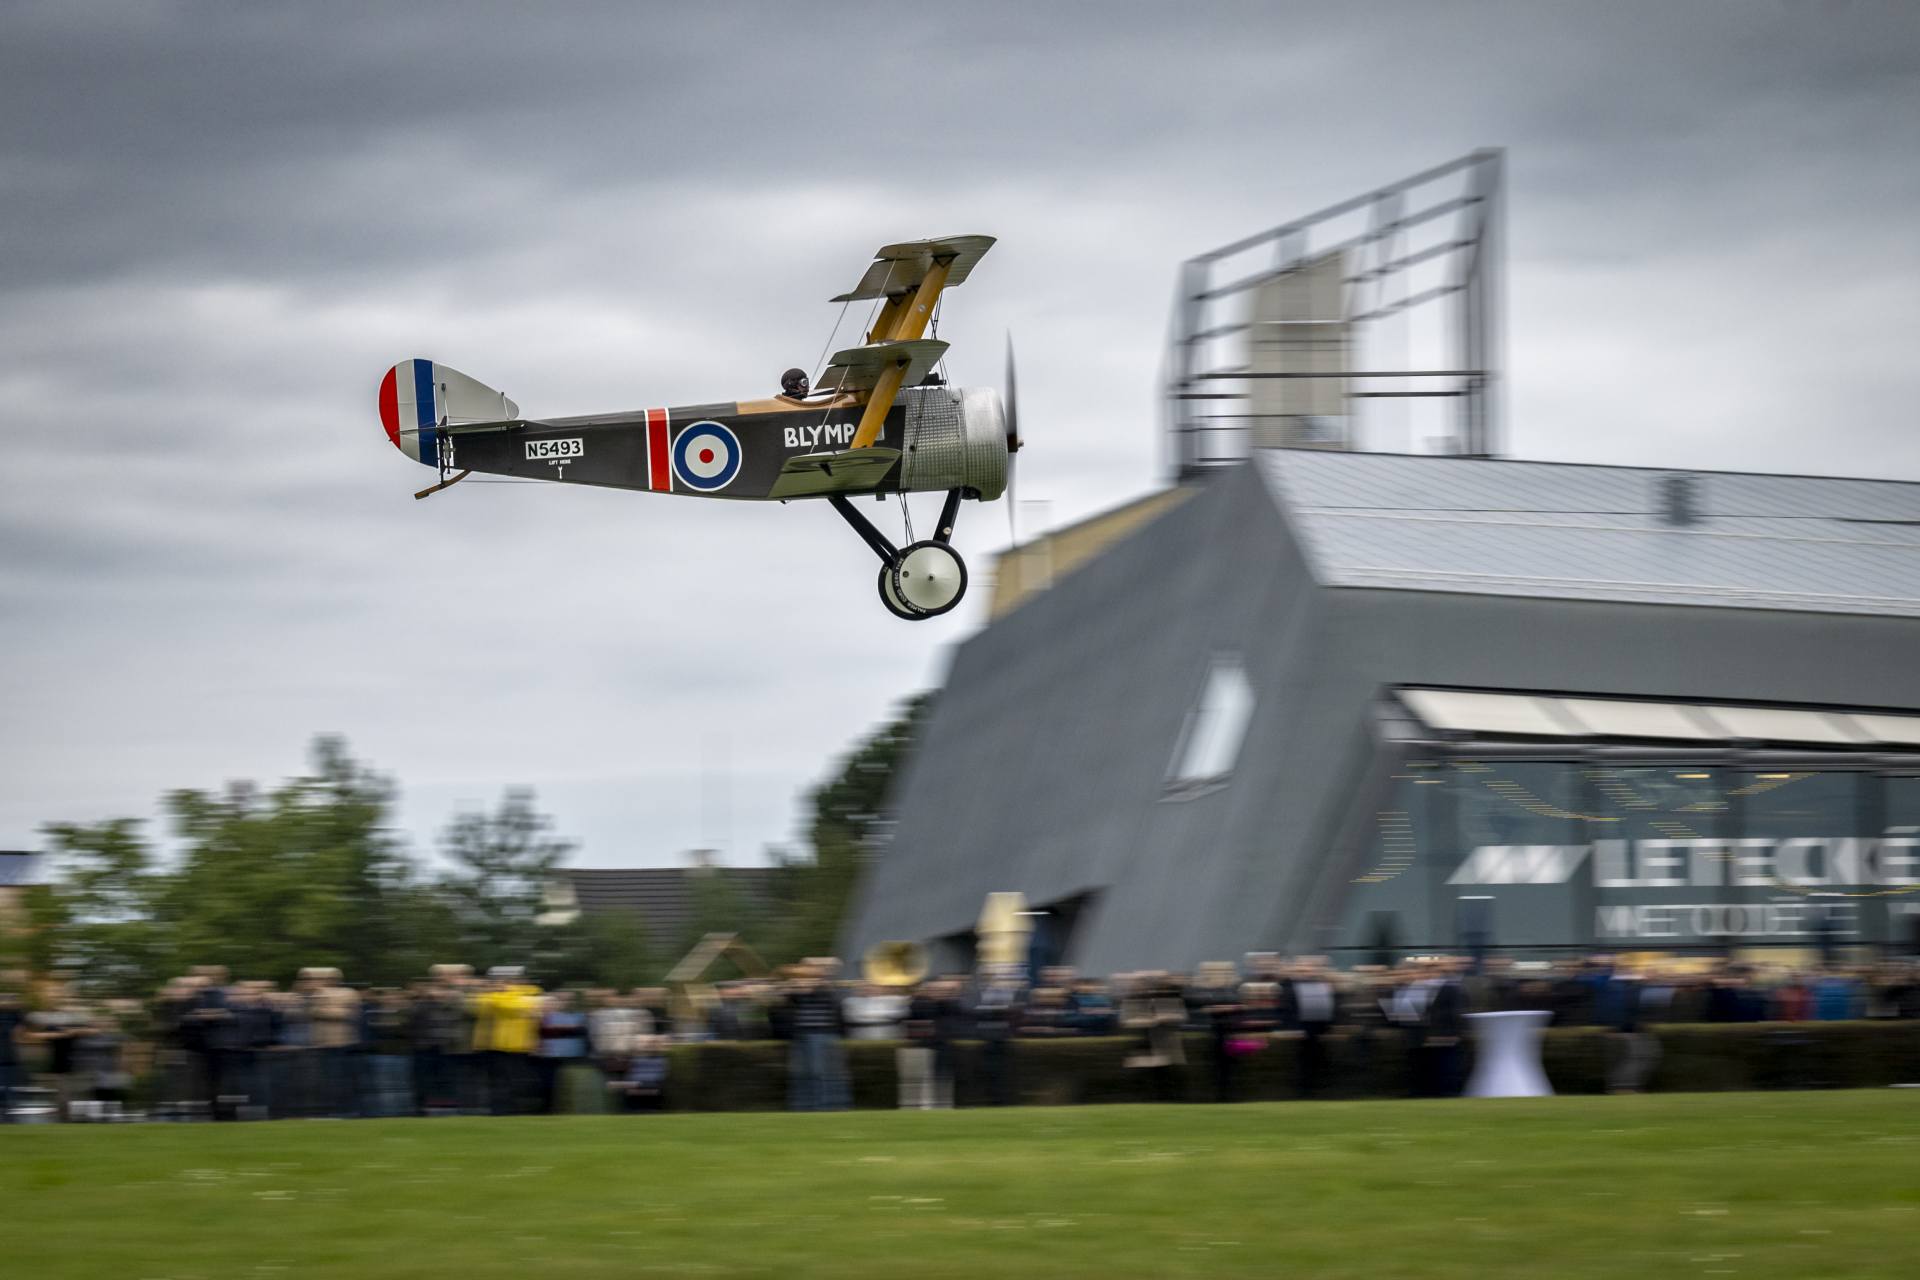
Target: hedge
{"points": [[752, 1075]]}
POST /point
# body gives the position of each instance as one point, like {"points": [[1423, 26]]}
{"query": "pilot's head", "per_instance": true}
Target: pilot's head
{"points": [[794, 383]]}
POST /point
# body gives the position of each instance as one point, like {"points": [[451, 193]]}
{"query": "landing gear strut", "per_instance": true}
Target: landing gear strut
{"points": [[922, 579]]}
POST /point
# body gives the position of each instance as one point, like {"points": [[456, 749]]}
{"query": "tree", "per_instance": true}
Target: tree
{"points": [[266, 882], [506, 859], [307, 874], [607, 949], [100, 919], [849, 811], [31, 941]]}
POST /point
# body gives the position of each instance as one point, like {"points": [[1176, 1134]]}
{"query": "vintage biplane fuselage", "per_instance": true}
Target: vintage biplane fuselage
{"points": [[933, 438], [879, 422]]}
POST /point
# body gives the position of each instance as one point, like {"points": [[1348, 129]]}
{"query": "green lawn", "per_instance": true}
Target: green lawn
{"points": [[1792, 1185]]}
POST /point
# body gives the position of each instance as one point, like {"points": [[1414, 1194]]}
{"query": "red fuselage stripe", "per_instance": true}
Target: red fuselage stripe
{"points": [[659, 466]]}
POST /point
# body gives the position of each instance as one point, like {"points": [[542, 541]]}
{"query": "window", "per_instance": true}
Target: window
{"points": [[1210, 740]]}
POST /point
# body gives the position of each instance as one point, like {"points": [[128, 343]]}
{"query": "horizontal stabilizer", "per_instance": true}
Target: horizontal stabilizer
{"points": [[858, 368], [899, 267], [812, 475]]}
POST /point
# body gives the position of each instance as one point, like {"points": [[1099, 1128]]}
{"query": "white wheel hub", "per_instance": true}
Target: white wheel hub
{"points": [[930, 577]]}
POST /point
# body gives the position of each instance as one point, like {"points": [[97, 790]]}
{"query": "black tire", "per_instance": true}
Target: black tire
{"points": [[897, 607]]}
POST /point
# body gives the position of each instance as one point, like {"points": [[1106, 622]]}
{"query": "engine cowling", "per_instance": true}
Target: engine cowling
{"points": [[956, 438]]}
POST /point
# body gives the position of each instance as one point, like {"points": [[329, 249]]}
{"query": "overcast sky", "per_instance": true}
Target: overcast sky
{"points": [[222, 223]]}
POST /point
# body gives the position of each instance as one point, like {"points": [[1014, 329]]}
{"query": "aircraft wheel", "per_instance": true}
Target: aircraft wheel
{"points": [[929, 577], [895, 605]]}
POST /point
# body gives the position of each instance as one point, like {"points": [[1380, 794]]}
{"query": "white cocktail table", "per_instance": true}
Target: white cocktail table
{"points": [[1507, 1055]]}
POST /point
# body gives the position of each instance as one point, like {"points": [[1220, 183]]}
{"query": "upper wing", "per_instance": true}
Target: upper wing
{"points": [[899, 268]]}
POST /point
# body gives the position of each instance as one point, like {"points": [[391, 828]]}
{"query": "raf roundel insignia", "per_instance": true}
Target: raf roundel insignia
{"points": [[706, 456]]}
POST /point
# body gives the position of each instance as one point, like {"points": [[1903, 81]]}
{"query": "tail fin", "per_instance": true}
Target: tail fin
{"points": [[418, 397]]}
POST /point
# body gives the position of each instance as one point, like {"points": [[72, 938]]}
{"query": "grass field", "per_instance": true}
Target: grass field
{"points": [[1751, 1185]]}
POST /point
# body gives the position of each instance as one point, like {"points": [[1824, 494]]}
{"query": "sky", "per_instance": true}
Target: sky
{"points": [[223, 223]]}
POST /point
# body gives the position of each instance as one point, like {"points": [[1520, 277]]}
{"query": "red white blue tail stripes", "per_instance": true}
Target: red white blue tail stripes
{"points": [[419, 399], [410, 411]]}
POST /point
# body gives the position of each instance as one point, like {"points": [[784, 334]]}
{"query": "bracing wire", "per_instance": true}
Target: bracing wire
{"points": [[821, 363], [865, 329]]}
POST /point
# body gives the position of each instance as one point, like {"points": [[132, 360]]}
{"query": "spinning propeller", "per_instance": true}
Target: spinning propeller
{"points": [[1013, 437]]}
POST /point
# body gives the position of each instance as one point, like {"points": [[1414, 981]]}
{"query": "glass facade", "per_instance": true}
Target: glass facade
{"points": [[1549, 855]]}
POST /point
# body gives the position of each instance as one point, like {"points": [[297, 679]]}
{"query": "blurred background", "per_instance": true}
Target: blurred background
{"points": [[222, 230]]}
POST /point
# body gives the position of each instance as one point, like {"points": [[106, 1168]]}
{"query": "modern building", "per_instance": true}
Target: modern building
{"points": [[1370, 703]]}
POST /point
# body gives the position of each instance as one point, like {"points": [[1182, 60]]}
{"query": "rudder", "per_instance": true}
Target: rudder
{"points": [[419, 397]]}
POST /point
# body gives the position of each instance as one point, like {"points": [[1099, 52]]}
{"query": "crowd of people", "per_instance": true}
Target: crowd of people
{"points": [[212, 1047], [217, 1048]]}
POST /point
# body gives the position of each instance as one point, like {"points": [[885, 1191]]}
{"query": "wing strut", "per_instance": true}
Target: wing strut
{"points": [[910, 325]]}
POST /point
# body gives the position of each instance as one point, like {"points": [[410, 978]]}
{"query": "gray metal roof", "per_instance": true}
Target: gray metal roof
{"points": [[1571, 531], [17, 868], [662, 897]]}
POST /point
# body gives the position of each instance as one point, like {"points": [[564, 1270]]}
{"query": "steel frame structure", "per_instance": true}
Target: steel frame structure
{"points": [[1433, 240]]}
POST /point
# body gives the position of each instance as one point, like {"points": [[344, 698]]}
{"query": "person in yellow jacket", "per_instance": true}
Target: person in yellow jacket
{"points": [[506, 1030]]}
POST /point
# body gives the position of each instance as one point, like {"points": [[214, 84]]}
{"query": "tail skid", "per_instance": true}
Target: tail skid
{"points": [[432, 489]]}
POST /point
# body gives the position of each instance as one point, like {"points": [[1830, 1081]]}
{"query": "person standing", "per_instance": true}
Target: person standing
{"points": [[614, 1029], [333, 1012], [506, 1030], [996, 1020], [59, 1028], [913, 1060], [1091, 1009], [217, 1008], [1443, 1048], [1313, 1006], [813, 1014], [1636, 1048], [642, 1084], [12, 1028], [1153, 1011], [467, 1068], [563, 1043], [1215, 999], [254, 1034], [293, 1074], [432, 1063], [99, 1074], [723, 1015], [387, 1054], [1409, 1012], [207, 1038]]}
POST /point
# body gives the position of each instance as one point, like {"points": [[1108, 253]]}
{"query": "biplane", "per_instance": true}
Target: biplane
{"points": [[880, 420]]}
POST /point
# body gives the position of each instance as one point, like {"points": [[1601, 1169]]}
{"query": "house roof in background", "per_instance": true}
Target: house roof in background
{"points": [[18, 868], [663, 897]]}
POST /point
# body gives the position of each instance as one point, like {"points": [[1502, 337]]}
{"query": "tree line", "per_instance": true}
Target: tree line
{"points": [[267, 881]]}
